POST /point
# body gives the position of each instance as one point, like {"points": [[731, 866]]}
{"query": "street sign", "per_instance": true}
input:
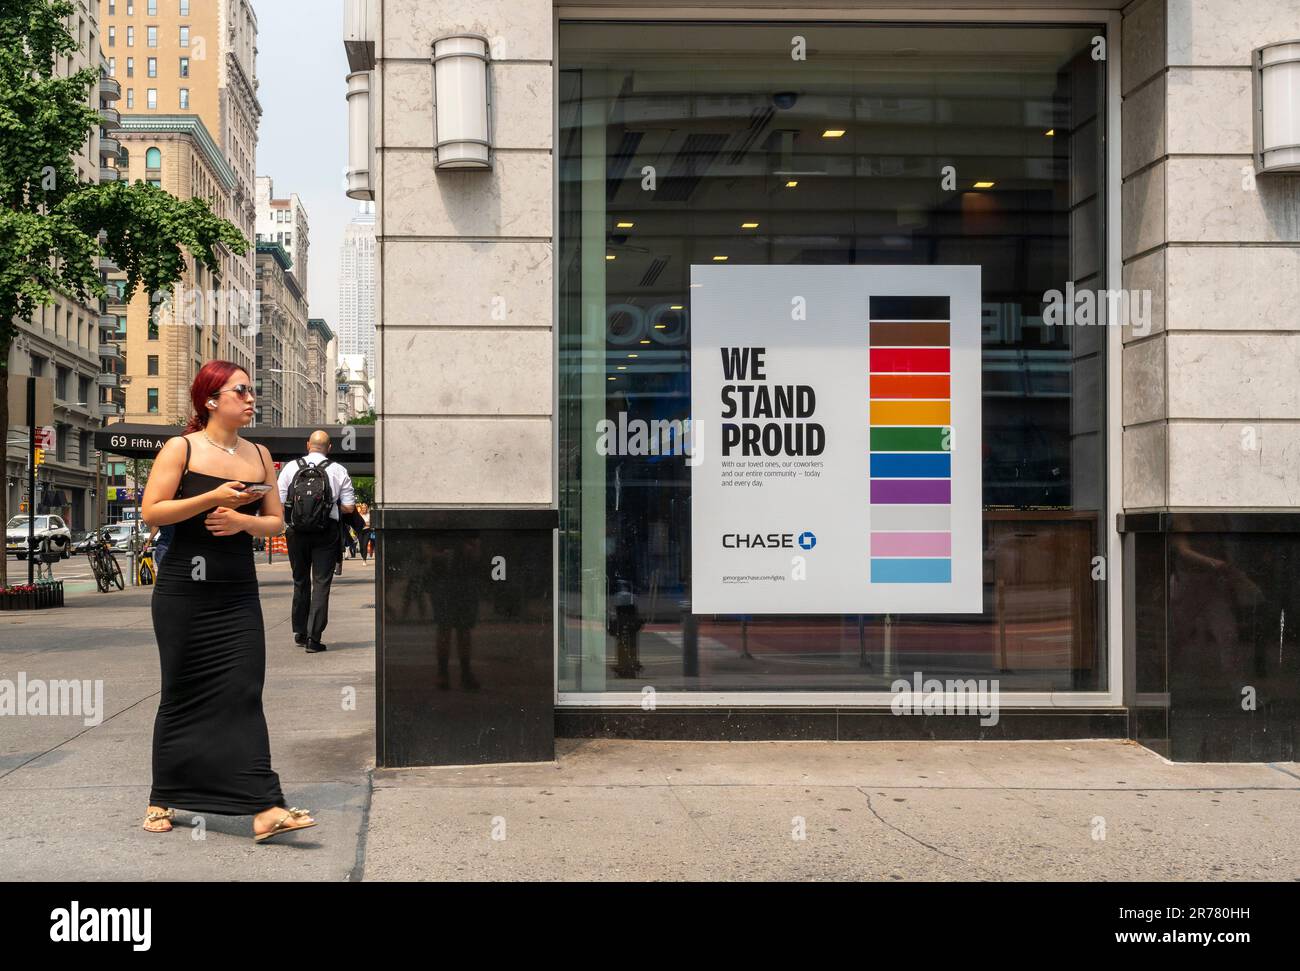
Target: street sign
{"points": [[18, 401], [141, 444]]}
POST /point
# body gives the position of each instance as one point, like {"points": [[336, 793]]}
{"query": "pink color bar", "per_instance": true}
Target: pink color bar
{"points": [[911, 544]]}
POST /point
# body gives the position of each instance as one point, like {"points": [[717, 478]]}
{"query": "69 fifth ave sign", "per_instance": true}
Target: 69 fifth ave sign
{"points": [[836, 418]]}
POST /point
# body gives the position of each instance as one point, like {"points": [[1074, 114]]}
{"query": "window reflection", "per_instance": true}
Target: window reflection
{"points": [[684, 145]]}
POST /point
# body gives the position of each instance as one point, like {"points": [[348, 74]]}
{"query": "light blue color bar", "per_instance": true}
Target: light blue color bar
{"points": [[891, 570]]}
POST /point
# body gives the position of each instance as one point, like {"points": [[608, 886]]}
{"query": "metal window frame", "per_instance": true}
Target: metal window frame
{"points": [[1113, 263]]}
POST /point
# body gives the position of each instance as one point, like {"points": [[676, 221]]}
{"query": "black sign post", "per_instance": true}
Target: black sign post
{"points": [[31, 481]]}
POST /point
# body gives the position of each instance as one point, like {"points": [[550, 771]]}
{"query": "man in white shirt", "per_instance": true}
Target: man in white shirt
{"points": [[314, 547]]}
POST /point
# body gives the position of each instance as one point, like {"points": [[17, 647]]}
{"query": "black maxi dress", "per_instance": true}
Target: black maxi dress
{"points": [[211, 750]]}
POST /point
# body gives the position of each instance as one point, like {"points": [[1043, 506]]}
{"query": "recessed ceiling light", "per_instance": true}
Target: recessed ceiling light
{"points": [[622, 367], [985, 185], [721, 259], [833, 133], [610, 256], [613, 379], [1050, 132], [631, 355], [624, 225], [749, 225], [661, 326], [677, 306], [792, 183], [646, 341]]}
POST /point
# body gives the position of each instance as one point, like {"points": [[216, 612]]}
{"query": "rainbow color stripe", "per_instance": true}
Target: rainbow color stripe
{"points": [[910, 418]]}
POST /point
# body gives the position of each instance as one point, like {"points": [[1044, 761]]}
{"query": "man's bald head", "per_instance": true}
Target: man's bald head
{"points": [[319, 441]]}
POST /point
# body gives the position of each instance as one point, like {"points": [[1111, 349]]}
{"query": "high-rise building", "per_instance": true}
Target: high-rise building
{"points": [[63, 341], [320, 367], [355, 388], [200, 319], [284, 221], [190, 120], [357, 288], [283, 392]]}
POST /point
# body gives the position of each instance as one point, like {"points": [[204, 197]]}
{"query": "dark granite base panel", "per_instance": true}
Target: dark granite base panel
{"points": [[1214, 635], [465, 651], [838, 724]]}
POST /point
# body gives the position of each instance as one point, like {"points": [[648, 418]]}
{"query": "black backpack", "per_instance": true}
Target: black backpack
{"points": [[310, 498]]}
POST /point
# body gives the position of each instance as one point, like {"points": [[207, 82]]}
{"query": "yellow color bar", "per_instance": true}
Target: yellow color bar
{"points": [[911, 413]]}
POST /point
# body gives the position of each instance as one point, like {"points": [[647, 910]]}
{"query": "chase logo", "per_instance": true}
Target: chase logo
{"points": [[807, 540]]}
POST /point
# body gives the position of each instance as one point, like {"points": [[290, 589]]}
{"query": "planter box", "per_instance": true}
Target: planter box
{"points": [[43, 595]]}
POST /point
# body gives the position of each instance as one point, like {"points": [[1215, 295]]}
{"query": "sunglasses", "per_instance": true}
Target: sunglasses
{"points": [[243, 390]]}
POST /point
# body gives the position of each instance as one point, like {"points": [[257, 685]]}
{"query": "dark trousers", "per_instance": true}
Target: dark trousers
{"points": [[313, 557]]}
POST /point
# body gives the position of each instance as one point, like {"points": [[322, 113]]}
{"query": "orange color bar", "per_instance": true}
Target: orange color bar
{"points": [[910, 386], [911, 413]]}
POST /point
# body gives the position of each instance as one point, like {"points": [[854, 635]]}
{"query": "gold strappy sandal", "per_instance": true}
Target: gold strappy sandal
{"points": [[155, 815], [293, 812]]}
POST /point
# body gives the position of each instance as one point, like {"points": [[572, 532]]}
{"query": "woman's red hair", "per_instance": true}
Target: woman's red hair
{"points": [[206, 384]]}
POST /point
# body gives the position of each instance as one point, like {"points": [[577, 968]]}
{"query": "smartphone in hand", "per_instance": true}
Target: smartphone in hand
{"points": [[259, 489]]}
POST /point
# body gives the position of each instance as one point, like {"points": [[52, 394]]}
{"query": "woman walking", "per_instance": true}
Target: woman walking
{"points": [[211, 751]]}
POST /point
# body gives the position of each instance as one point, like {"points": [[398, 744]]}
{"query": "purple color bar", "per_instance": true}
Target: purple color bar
{"points": [[911, 490]]}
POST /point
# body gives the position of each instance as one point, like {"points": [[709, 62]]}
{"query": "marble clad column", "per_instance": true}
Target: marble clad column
{"points": [[1211, 400], [465, 398]]}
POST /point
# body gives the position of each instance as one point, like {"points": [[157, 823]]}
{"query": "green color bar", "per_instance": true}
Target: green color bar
{"points": [[909, 439]]}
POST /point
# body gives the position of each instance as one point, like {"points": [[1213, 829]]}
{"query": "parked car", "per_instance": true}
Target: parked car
{"points": [[119, 534], [52, 526]]}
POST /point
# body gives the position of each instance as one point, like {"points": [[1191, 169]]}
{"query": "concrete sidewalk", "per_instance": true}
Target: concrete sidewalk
{"points": [[621, 810], [72, 796]]}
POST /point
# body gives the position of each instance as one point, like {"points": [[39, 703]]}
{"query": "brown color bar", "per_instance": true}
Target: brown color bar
{"points": [[909, 334]]}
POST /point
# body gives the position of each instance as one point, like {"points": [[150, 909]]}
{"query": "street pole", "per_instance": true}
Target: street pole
{"points": [[135, 526], [31, 481]]}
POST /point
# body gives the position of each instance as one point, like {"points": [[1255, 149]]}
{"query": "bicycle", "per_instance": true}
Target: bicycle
{"points": [[103, 564]]}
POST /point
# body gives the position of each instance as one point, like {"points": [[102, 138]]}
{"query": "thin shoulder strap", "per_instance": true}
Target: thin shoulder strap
{"points": [[260, 457], [184, 468]]}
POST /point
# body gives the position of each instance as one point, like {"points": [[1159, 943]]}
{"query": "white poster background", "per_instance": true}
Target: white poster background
{"points": [[829, 349]]}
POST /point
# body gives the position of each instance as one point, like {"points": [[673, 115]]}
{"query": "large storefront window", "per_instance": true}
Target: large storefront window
{"points": [[823, 145]]}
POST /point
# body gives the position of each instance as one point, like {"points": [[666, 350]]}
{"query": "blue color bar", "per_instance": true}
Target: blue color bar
{"points": [[895, 465], [911, 571]]}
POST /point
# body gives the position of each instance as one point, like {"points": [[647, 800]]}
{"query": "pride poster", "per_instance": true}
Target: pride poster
{"points": [[835, 427]]}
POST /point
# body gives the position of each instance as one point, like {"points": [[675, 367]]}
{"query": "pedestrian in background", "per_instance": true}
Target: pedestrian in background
{"points": [[316, 492]]}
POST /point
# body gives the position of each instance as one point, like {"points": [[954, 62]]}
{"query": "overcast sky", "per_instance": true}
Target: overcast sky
{"points": [[302, 143]]}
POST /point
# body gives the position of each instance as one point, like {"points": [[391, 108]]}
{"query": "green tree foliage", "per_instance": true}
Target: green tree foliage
{"points": [[364, 485], [54, 227]]}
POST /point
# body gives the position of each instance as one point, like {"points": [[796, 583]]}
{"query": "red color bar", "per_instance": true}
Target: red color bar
{"points": [[894, 359]]}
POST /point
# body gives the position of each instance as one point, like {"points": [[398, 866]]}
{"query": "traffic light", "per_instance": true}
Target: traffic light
{"points": [[40, 457]]}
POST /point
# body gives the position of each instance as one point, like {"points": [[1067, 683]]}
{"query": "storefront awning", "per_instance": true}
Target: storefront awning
{"points": [[136, 441]]}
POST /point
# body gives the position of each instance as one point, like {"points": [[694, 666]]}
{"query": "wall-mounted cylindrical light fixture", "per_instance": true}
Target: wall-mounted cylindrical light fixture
{"points": [[1277, 107], [360, 140], [462, 102]]}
